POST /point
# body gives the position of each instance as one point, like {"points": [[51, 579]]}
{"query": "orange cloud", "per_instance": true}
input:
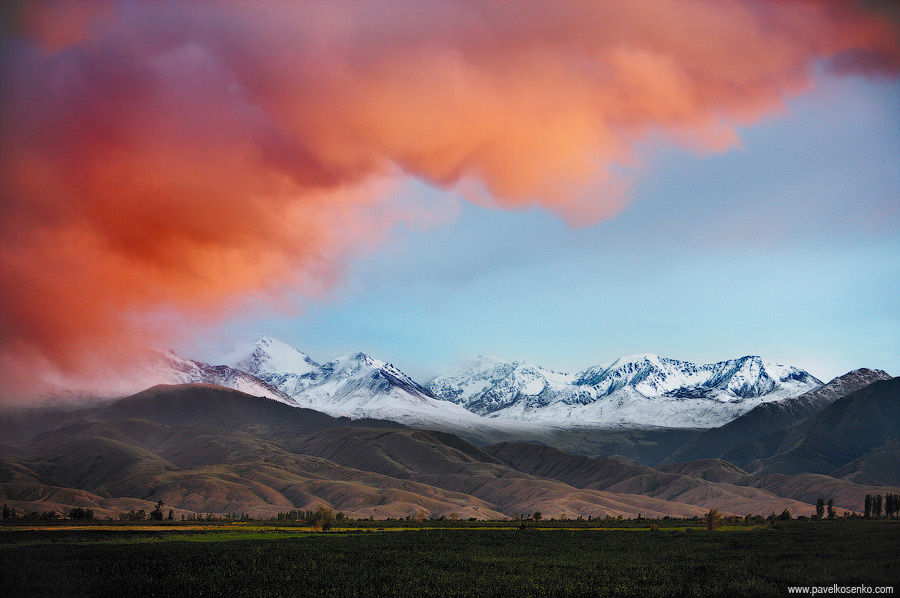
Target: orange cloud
{"points": [[191, 158]]}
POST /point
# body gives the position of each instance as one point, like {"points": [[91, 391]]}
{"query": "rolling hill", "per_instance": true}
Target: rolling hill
{"points": [[203, 448]]}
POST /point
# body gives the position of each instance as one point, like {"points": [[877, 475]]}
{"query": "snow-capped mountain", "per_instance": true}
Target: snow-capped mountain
{"points": [[837, 388], [170, 368], [485, 385], [488, 396], [641, 389], [278, 364], [354, 385]]}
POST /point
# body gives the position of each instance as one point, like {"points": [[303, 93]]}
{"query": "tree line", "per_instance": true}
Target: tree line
{"points": [[874, 507], [875, 504]]}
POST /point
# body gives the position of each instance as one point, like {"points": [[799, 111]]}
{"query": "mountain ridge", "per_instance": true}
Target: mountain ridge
{"points": [[624, 391], [769, 417]]}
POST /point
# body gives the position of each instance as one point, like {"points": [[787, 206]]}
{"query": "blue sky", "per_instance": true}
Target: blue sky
{"points": [[786, 247]]}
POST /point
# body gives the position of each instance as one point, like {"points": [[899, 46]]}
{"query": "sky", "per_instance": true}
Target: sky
{"points": [[785, 247], [562, 183]]}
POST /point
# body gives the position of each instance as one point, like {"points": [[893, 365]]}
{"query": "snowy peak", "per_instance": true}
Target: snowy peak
{"points": [[355, 385], [648, 373], [272, 356], [484, 384], [382, 375]]}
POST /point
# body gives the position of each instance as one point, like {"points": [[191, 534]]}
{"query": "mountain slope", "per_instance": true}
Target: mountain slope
{"points": [[209, 406], [218, 471], [169, 368], [769, 417], [236, 457], [445, 461], [844, 431], [201, 448], [613, 476], [709, 483], [881, 466]]}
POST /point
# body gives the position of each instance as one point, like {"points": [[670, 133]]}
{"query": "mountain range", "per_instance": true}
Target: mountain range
{"points": [[276, 430], [354, 385], [493, 397], [640, 390], [204, 448]]}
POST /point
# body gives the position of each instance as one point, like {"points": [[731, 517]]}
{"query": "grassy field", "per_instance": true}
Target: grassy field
{"points": [[461, 560]]}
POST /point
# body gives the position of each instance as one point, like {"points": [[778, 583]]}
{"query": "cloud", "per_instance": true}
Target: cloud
{"points": [[193, 159]]}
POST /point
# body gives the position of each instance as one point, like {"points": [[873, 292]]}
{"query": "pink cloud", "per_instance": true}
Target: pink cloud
{"points": [[193, 157]]}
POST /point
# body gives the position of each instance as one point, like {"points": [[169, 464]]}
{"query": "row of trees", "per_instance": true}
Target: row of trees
{"points": [[322, 518], [157, 514], [820, 509], [889, 503]]}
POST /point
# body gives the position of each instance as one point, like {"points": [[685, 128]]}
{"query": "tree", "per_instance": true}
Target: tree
{"points": [[831, 511], [785, 515], [876, 506], [537, 516], [171, 516], [820, 508], [6, 512], [80, 514], [157, 514], [712, 519], [868, 511], [322, 518]]}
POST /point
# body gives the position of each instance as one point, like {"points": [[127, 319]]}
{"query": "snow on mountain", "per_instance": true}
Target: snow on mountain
{"points": [[485, 385], [643, 389], [835, 389], [278, 364], [271, 356], [488, 396], [355, 385], [169, 368]]}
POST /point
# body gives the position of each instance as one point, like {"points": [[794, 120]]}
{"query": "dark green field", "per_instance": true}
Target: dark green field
{"points": [[449, 562]]}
